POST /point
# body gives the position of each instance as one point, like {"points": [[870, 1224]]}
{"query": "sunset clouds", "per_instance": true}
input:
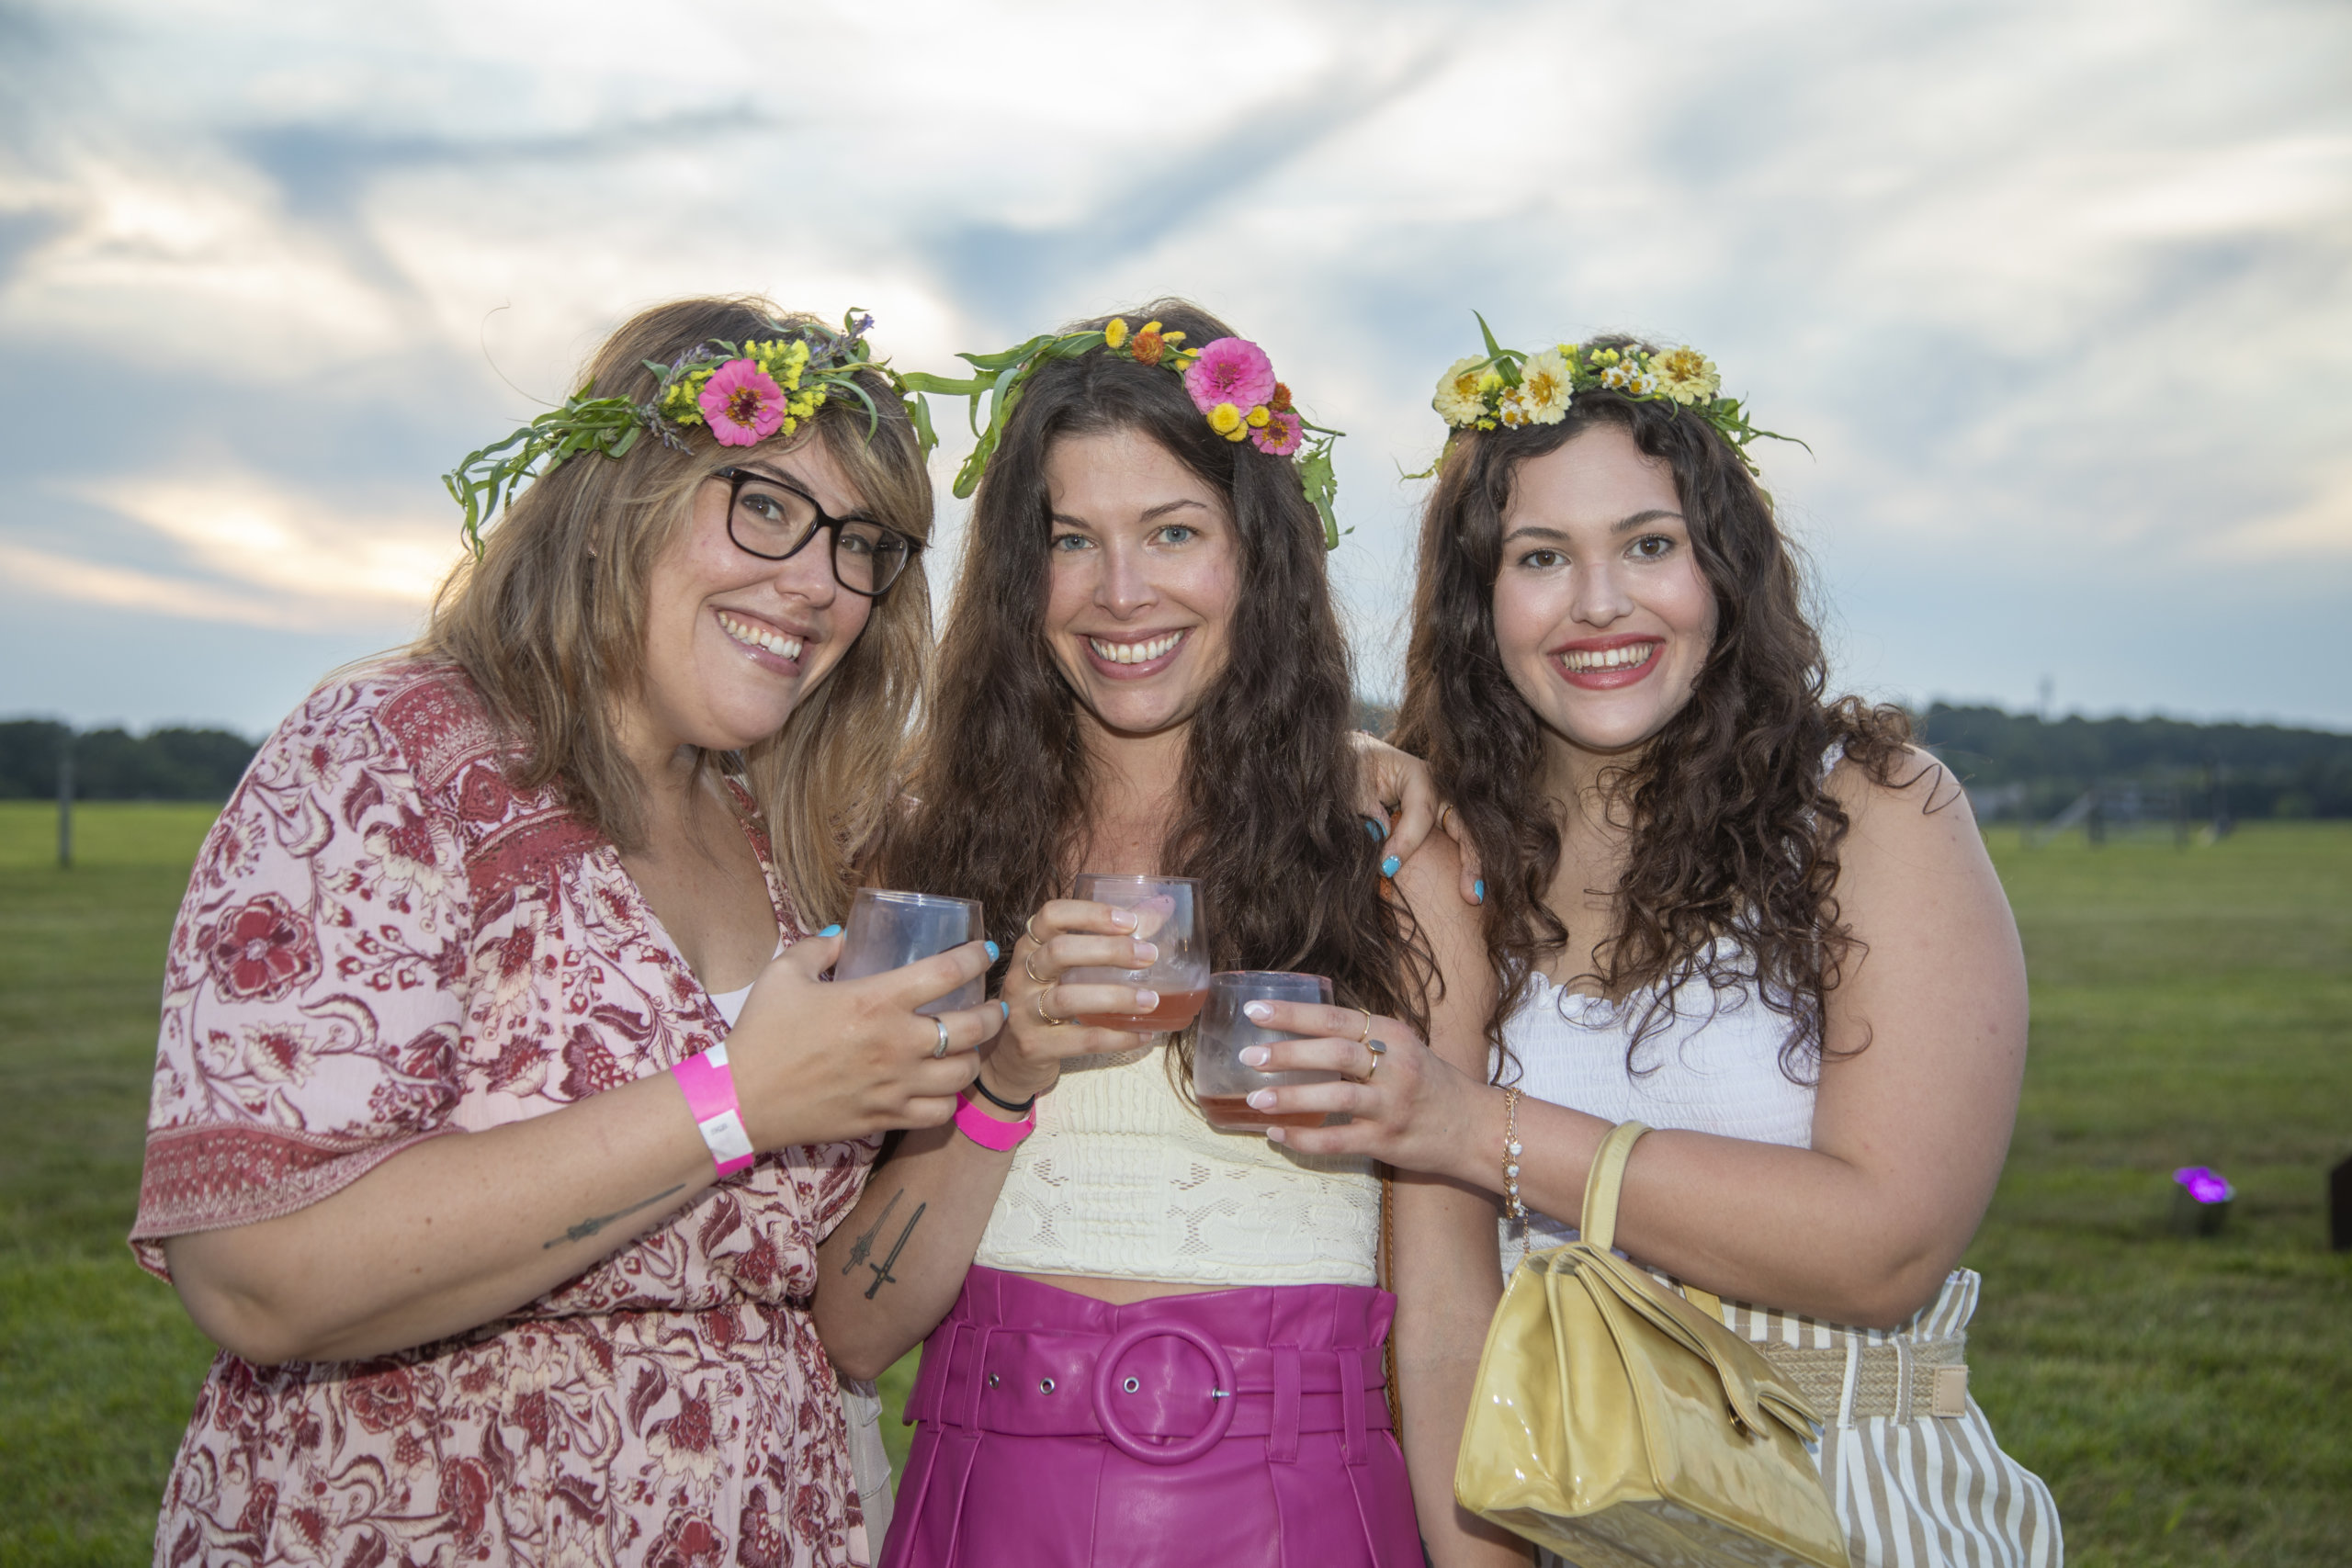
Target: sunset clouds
{"points": [[2058, 294]]}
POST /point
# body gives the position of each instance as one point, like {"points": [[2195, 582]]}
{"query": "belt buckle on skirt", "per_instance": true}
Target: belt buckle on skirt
{"points": [[1200, 1442]]}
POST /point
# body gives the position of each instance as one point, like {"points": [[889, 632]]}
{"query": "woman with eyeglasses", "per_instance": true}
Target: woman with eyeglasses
{"points": [[466, 1146]]}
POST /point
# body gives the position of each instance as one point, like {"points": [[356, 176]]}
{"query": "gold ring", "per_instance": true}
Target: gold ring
{"points": [[1034, 979], [1366, 1035], [1029, 925], [1378, 1048], [1048, 1019]]}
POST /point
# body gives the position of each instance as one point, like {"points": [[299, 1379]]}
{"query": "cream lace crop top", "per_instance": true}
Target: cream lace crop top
{"points": [[1122, 1179]]}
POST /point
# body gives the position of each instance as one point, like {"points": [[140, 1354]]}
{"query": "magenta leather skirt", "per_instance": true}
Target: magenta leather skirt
{"points": [[1235, 1429]]}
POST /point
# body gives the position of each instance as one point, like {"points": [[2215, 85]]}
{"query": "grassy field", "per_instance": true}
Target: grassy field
{"points": [[2190, 1401]]}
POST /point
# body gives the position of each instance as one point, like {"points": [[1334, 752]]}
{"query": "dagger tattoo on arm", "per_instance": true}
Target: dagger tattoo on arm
{"points": [[882, 1275], [863, 1247]]}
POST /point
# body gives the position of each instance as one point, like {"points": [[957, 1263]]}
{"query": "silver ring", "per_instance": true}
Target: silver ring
{"points": [[941, 1049]]}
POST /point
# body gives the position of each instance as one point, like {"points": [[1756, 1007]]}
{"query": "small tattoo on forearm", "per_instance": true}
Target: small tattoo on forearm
{"points": [[587, 1228], [882, 1275], [863, 1247]]}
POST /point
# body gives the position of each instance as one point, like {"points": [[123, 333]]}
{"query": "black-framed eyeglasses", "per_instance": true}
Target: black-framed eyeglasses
{"points": [[775, 519]]}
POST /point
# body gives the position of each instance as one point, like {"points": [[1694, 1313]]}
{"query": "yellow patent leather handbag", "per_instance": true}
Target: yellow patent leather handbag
{"points": [[1621, 1427]]}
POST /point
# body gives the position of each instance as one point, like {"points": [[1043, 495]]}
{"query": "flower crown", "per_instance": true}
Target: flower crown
{"points": [[1509, 386], [744, 392], [1230, 380]]}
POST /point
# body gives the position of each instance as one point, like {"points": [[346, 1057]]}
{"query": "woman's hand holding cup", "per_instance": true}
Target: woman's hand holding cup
{"points": [[1405, 1104], [1041, 1027], [817, 1060]]}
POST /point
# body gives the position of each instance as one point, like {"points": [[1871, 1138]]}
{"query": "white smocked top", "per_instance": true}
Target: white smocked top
{"points": [[1714, 1067], [1124, 1179]]}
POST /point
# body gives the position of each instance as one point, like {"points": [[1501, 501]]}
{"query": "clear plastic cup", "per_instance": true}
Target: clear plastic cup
{"points": [[1221, 1082], [889, 931], [1168, 915]]}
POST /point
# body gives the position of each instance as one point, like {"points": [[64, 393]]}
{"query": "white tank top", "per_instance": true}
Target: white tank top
{"points": [[1122, 1179], [1713, 1068]]}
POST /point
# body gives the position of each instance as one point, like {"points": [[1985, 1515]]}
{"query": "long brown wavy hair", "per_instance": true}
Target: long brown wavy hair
{"points": [[1002, 781], [1733, 832], [550, 623]]}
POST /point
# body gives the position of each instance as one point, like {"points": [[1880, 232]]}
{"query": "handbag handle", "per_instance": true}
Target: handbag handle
{"points": [[1598, 1224], [1601, 1189]]}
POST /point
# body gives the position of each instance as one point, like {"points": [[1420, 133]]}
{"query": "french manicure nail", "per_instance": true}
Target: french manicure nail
{"points": [[830, 931], [1146, 953], [1388, 867], [1147, 1000], [1276, 1136], [1258, 1012], [1255, 1056], [1261, 1100], [1478, 891], [1123, 919], [991, 947]]}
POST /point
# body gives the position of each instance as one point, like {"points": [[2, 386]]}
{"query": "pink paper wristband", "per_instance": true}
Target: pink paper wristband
{"points": [[709, 1087], [985, 1129]]}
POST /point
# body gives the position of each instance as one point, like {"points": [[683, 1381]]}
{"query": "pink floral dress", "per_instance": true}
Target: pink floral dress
{"points": [[382, 944]]}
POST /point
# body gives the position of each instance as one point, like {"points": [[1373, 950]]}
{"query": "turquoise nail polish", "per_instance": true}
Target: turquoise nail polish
{"points": [[830, 931], [1004, 1007], [1388, 867], [991, 947], [1377, 828], [1478, 891]]}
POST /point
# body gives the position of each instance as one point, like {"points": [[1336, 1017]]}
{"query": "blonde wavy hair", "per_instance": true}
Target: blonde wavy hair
{"points": [[549, 622]]}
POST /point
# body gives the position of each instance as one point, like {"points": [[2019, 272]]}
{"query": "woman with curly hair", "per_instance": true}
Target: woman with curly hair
{"points": [[471, 1145], [1718, 904], [1149, 1342]]}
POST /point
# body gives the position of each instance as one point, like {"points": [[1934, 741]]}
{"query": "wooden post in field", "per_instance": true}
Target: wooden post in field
{"points": [[65, 803]]}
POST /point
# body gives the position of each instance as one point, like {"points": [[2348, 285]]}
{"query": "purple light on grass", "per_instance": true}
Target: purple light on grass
{"points": [[2205, 1185]]}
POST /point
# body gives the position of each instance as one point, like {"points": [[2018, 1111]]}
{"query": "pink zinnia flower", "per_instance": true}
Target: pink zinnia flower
{"points": [[1230, 370], [743, 403], [1279, 434]]}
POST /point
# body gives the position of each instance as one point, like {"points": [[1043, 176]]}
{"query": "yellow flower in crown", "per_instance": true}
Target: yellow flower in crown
{"points": [[1458, 399], [1686, 375], [1545, 384], [1115, 332], [1628, 374], [1225, 420]]}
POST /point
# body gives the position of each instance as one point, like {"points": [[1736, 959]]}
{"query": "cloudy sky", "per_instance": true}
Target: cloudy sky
{"points": [[2060, 293]]}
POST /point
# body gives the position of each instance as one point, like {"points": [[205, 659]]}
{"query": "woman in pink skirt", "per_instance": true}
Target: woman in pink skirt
{"points": [[1149, 1342]]}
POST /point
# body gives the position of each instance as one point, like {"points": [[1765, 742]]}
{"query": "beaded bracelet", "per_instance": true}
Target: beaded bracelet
{"points": [[1514, 1207]]}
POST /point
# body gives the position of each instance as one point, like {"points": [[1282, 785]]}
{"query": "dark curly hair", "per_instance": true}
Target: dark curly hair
{"points": [[1002, 779], [1734, 831]]}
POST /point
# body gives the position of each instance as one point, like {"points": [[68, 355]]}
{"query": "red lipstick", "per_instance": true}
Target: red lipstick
{"points": [[1608, 663]]}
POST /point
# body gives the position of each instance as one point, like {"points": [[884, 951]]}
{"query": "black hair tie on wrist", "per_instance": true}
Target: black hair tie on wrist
{"points": [[1018, 1107]]}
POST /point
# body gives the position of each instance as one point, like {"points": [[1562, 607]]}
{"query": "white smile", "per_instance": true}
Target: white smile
{"points": [[1134, 652], [1578, 660], [753, 636]]}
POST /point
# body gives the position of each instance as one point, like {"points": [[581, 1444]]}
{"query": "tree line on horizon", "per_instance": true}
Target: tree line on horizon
{"points": [[2022, 766], [2016, 765]]}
